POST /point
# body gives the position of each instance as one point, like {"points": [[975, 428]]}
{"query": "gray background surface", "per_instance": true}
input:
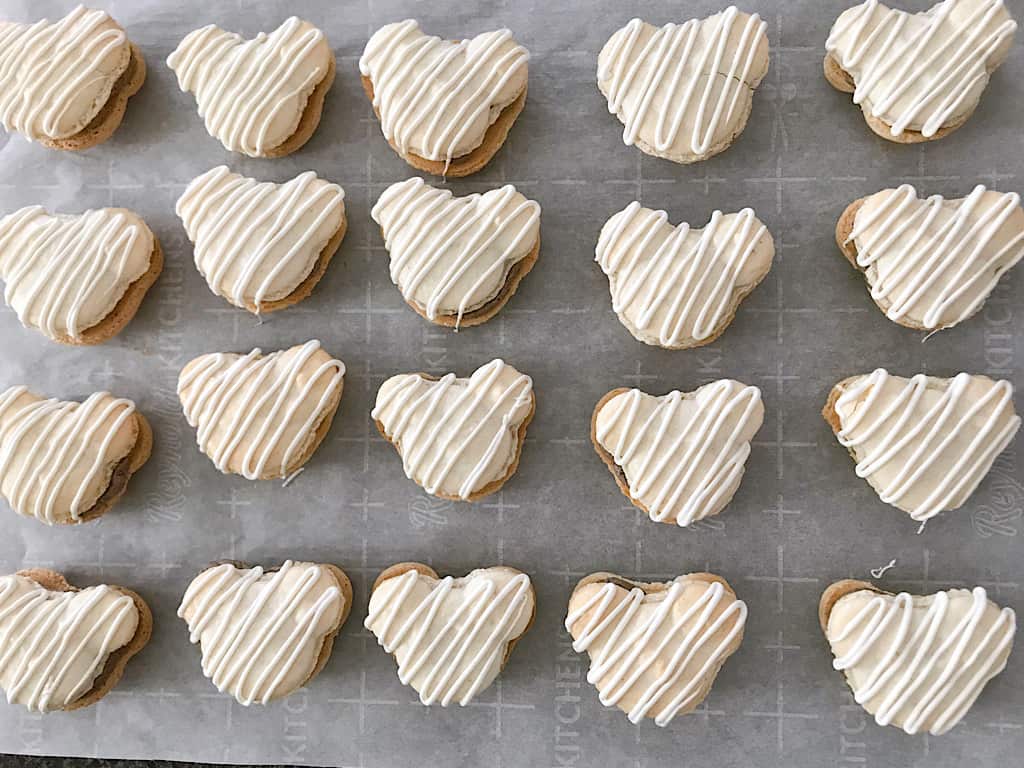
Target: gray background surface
{"points": [[800, 519]]}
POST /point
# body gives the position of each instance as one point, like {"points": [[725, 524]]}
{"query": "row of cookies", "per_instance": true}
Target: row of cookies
{"points": [[923, 443], [683, 92], [264, 246], [916, 662]]}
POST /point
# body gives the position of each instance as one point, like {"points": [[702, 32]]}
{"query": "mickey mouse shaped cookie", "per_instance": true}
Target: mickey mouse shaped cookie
{"points": [[679, 457], [445, 106], [68, 462], [452, 636], [457, 260], [262, 246], [77, 278], [265, 633], [684, 91], [262, 97], [66, 84], [923, 443], [677, 287], [918, 76], [262, 416], [64, 648], [918, 662], [931, 264], [655, 648], [459, 439]]}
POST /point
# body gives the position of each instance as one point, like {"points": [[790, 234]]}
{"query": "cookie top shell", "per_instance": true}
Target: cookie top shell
{"points": [[684, 91], [452, 255], [54, 644], [919, 662], [262, 632], [252, 93], [57, 457], [921, 71], [55, 77], [451, 636], [256, 242], [931, 264], [436, 98], [65, 273]]}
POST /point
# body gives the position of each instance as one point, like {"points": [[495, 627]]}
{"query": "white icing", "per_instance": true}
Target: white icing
{"points": [[257, 241], [919, 662], [921, 71], [451, 255], [53, 645], [456, 436], [683, 90], [923, 443], [450, 636], [256, 414], [437, 98], [654, 655], [676, 286], [56, 76], [56, 457], [261, 634], [934, 262], [252, 93], [66, 273], [682, 454]]}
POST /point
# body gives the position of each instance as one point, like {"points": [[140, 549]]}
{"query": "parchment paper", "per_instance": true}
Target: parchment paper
{"points": [[800, 520]]}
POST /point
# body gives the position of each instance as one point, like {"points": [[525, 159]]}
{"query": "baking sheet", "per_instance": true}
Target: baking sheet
{"points": [[800, 520]]}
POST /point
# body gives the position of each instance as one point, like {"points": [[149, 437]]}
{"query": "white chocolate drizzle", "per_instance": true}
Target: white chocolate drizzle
{"points": [[66, 273], [451, 255], [54, 644], [934, 262], [437, 98], [257, 241], [450, 636], [682, 89], [676, 287], [921, 71], [55, 77], [261, 634], [256, 414], [683, 455], [455, 436], [252, 93], [925, 444], [653, 655], [919, 662], [56, 457]]}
